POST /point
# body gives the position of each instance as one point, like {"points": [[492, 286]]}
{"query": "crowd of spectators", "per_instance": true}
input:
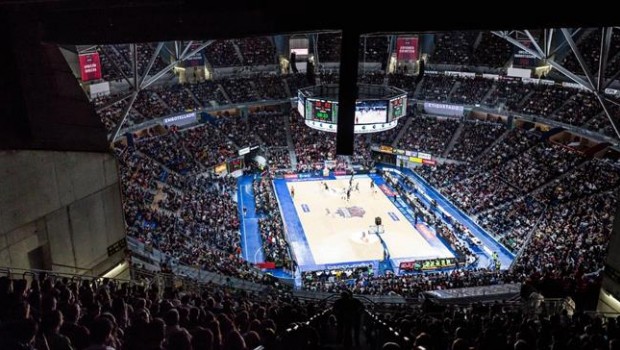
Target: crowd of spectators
{"points": [[240, 89], [329, 45], [296, 81], [112, 114], [257, 51], [492, 51], [270, 87], [269, 126], [539, 165], [500, 326], [512, 223], [581, 107], [496, 191], [600, 122], [178, 98], [512, 145], [430, 135], [471, 91], [436, 88], [453, 47], [592, 177], [590, 48], [167, 151], [207, 91], [372, 78], [480, 192], [312, 147], [508, 93], [237, 130], [207, 145], [364, 281], [373, 48], [545, 100], [149, 105], [222, 53], [118, 56], [571, 240], [563, 104], [275, 246], [48, 313], [387, 137], [194, 219], [475, 138], [113, 64], [279, 158], [403, 81]]}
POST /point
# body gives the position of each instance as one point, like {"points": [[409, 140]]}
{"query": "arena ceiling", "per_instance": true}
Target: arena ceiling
{"points": [[118, 21], [49, 123]]}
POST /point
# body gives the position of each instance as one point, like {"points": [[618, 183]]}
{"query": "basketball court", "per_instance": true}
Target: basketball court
{"points": [[326, 229]]}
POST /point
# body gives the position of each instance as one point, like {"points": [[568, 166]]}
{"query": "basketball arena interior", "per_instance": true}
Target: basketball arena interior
{"points": [[181, 176]]}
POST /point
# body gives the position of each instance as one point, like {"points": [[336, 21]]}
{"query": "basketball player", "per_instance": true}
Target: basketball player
{"points": [[357, 186], [292, 192], [326, 187], [327, 212], [348, 194]]}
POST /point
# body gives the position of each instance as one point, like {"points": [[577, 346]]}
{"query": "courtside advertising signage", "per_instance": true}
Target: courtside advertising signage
{"points": [[90, 66]]}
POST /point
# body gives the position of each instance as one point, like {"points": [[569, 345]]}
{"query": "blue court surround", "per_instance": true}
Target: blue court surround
{"points": [[251, 240]]}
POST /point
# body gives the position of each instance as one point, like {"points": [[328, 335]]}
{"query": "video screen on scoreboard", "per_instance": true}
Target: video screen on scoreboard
{"points": [[320, 110], [398, 108], [301, 103], [370, 112]]}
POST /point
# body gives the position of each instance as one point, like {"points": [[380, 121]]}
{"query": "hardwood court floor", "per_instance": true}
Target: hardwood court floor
{"points": [[333, 226]]}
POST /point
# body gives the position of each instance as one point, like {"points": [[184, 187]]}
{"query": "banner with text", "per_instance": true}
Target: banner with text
{"points": [[90, 66], [444, 109], [407, 48]]}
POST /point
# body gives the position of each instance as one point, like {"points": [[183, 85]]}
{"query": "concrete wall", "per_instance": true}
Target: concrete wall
{"points": [[59, 210]]}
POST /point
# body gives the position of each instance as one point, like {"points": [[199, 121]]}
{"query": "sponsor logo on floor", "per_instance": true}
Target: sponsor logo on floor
{"points": [[351, 212]]}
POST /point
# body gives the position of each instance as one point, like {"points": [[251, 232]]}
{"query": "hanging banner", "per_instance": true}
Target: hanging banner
{"points": [[407, 48], [90, 66]]}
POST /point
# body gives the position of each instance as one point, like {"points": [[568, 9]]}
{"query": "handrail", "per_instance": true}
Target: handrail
{"points": [[35, 272], [528, 238]]}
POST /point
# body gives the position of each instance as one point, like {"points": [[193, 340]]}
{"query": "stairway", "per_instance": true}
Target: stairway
{"points": [[543, 186], [289, 142], [525, 99], [402, 131], [489, 93], [477, 42], [553, 113], [191, 94], [488, 149], [238, 51], [418, 87], [223, 91], [287, 88], [255, 89], [455, 137], [454, 87]]}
